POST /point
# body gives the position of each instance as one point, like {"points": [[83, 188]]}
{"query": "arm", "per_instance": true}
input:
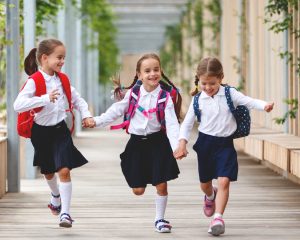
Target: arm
{"points": [[185, 131], [26, 99], [114, 112], [80, 104], [240, 99], [188, 123], [172, 125]]}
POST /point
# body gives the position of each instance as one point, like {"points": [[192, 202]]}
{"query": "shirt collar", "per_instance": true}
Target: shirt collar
{"points": [[221, 92], [46, 76], [154, 93]]}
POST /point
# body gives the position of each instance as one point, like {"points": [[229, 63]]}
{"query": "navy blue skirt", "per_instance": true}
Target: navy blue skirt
{"points": [[216, 157], [148, 160], [54, 148]]}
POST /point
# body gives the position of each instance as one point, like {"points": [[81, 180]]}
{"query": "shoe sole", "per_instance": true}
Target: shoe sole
{"points": [[164, 230], [65, 224], [217, 230]]}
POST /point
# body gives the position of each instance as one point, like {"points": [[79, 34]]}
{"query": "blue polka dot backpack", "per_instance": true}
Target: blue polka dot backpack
{"points": [[241, 114]]}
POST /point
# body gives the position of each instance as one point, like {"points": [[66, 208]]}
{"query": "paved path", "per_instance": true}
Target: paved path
{"points": [[262, 204]]}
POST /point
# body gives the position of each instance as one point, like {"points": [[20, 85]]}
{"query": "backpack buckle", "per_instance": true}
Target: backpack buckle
{"points": [[32, 113]]}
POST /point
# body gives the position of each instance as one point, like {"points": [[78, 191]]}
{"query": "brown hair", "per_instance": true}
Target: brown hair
{"points": [[118, 90], [209, 67], [34, 57]]}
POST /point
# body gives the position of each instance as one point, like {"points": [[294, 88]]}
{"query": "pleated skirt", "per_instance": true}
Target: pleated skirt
{"points": [[54, 148], [148, 160]]}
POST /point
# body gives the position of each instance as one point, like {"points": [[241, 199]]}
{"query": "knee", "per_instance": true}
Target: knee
{"points": [[162, 192], [162, 189], [49, 176], [206, 186], [223, 182], [138, 191], [64, 174]]}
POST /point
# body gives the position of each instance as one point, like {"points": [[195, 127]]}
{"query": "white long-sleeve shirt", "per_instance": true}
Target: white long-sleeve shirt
{"points": [[139, 124], [51, 113], [216, 118]]}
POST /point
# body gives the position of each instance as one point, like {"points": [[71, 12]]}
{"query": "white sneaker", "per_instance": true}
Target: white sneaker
{"points": [[216, 227]]}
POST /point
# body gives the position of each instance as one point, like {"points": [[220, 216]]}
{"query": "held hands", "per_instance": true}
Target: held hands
{"points": [[269, 107], [88, 122], [53, 95], [181, 151]]}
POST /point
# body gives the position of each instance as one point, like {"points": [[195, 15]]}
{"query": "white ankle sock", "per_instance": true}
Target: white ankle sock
{"points": [[161, 204], [218, 215], [65, 189], [211, 197], [52, 183]]}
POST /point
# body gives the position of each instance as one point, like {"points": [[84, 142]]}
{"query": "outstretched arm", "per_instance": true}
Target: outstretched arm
{"points": [[114, 112]]}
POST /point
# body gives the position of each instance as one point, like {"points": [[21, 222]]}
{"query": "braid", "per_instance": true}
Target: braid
{"points": [[133, 83], [193, 93], [178, 101], [118, 92]]}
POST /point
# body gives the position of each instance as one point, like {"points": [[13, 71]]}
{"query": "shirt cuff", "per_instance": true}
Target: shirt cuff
{"points": [[262, 105], [86, 114], [45, 98], [97, 121]]}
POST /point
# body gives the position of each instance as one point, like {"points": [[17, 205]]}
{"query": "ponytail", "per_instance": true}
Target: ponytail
{"points": [[30, 63], [178, 101], [193, 93]]}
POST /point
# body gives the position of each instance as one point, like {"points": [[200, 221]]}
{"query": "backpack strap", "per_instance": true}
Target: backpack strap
{"points": [[40, 88], [196, 107], [67, 89], [228, 99], [162, 101], [132, 106]]}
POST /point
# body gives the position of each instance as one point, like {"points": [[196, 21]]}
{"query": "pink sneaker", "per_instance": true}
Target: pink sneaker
{"points": [[210, 205], [216, 227]]}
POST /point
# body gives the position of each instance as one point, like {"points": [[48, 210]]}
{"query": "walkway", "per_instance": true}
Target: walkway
{"points": [[262, 204]]}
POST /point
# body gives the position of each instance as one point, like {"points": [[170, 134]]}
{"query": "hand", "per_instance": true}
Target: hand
{"points": [[53, 95], [88, 122], [180, 153], [269, 107]]}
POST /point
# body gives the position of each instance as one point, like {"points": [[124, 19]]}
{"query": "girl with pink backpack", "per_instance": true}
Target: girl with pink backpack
{"points": [[151, 120]]}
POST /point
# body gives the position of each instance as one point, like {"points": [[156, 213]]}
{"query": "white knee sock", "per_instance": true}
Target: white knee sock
{"points": [[161, 204], [52, 183], [65, 189]]}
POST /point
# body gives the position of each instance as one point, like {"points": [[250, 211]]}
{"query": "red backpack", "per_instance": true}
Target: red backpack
{"points": [[25, 119]]}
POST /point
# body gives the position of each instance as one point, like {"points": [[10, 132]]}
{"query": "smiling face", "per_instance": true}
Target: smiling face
{"points": [[54, 62], [210, 84], [150, 73]]}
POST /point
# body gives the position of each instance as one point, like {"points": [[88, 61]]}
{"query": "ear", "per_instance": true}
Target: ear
{"points": [[139, 75], [44, 57]]}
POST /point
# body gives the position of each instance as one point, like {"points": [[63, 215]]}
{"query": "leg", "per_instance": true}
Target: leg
{"points": [[207, 188], [161, 200], [209, 198], [217, 225], [52, 183], [223, 194], [65, 188], [138, 191]]}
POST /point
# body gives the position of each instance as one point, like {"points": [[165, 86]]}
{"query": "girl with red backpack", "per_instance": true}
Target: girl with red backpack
{"points": [[151, 120], [44, 97]]}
